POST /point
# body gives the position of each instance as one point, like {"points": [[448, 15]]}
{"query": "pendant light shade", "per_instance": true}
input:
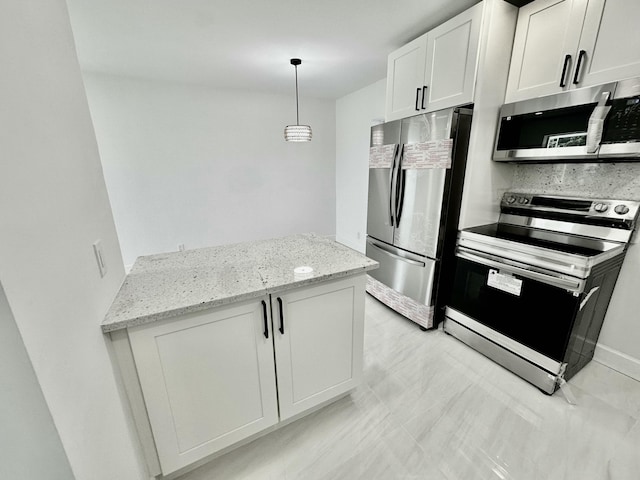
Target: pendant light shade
{"points": [[297, 132]]}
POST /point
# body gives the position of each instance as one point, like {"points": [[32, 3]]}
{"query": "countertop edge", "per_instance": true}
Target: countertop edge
{"points": [[305, 282], [167, 314]]}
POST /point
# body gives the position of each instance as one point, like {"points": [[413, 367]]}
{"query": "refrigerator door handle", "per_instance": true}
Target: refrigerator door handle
{"points": [[400, 182], [397, 257], [392, 193]]}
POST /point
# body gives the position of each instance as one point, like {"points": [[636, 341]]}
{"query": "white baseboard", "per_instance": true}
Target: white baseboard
{"points": [[618, 361]]}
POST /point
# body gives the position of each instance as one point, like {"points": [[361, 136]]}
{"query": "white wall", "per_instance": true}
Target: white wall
{"points": [[199, 166], [53, 206], [355, 113], [619, 342], [31, 447]]}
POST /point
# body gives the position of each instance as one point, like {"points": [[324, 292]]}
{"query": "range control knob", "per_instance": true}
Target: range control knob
{"points": [[601, 207], [523, 200], [510, 199], [621, 209]]}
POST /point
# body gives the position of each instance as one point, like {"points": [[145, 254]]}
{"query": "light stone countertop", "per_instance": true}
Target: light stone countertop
{"points": [[170, 284]]}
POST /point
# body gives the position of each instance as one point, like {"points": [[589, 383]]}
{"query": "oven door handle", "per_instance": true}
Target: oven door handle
{"points": [[503, 265]]}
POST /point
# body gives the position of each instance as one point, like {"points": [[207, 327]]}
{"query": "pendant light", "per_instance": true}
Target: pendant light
{"points": [[297, 132]]}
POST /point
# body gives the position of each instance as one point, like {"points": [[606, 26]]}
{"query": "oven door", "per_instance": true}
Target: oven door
{"points": [[535, 308]]}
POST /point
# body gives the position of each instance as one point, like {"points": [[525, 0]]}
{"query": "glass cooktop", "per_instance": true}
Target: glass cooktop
{"points": [[562, 242]]}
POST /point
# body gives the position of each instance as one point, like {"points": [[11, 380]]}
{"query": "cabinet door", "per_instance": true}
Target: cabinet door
{"points": [[611, 42], [452, 58], [208, 380], [319, 343], [405, 74], [545, 47]]}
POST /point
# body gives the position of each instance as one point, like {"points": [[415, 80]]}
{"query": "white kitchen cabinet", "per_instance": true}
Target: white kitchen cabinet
{"points": [[436, 70], [405, 79], [203, 381], [452, 56], [611, 40], [566, 44], [547, 34], [318, 343], [208, 380]]}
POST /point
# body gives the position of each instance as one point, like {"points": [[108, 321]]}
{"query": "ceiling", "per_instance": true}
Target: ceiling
{"points": [[247, 44]]}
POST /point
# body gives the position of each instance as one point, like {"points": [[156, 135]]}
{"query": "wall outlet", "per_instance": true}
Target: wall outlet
{"points": [[181, 247], [97, 249]]}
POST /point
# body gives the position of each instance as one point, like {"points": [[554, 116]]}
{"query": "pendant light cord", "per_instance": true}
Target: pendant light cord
{"points": [[297, 114]]}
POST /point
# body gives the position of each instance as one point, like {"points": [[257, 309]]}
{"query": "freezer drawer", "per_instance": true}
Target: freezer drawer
{"points": [[407, 273]]}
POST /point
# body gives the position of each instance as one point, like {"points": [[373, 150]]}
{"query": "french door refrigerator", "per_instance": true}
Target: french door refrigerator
{"points": [[416, 173]]}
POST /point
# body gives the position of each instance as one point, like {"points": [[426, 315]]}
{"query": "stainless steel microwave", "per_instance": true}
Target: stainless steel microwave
{"points": [[599, 123]]}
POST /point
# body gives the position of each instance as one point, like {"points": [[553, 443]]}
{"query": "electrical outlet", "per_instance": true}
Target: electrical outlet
{"points": [[97, 249], [181, 247]]}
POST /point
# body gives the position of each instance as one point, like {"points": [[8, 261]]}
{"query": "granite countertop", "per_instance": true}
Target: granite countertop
{"points": [[170, 284]]}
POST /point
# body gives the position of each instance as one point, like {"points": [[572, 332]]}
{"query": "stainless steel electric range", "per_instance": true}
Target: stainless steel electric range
{"points": [[532, 290]]}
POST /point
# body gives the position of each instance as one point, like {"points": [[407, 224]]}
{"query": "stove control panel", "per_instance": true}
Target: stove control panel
{"points": [[600, 207], [621, 209], [626, 210]]}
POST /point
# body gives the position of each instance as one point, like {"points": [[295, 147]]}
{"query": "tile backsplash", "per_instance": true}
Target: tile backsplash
{"points": [[591, 180]]}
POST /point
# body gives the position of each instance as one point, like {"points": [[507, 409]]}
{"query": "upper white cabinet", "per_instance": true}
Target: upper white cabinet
{"points": [[611, 42], [436, 70], [318, 342], [452, 56], [405, 79], [566, 44], [208, 380]]}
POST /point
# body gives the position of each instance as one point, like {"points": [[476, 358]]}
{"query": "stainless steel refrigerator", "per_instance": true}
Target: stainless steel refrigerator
{"points": [[416, 173]]}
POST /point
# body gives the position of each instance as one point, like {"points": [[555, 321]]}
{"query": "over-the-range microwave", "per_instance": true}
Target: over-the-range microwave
{"points": [[599, 123]]}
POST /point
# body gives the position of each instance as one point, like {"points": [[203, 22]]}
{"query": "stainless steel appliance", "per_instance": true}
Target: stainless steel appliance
{"points": [[589, 124], [415, 186], [532, 290]]}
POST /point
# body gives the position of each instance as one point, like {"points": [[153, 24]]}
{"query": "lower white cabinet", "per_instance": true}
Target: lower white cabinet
{"points": [[318, 334], [208, 379]]}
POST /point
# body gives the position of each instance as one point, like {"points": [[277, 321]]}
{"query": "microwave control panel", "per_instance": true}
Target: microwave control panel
{"points": [[623, 121]]}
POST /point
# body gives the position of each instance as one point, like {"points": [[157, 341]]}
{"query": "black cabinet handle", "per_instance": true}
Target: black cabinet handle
{"points": [[281, 316], [578, 65], [417, 97], [424, 94], [266, 324], [563, 83]]}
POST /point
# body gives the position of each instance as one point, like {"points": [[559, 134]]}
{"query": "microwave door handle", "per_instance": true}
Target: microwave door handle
{"points": [[596, 123], [563, 76]]}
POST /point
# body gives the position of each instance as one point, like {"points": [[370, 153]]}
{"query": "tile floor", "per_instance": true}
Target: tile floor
{"points": [[432, 408]]}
